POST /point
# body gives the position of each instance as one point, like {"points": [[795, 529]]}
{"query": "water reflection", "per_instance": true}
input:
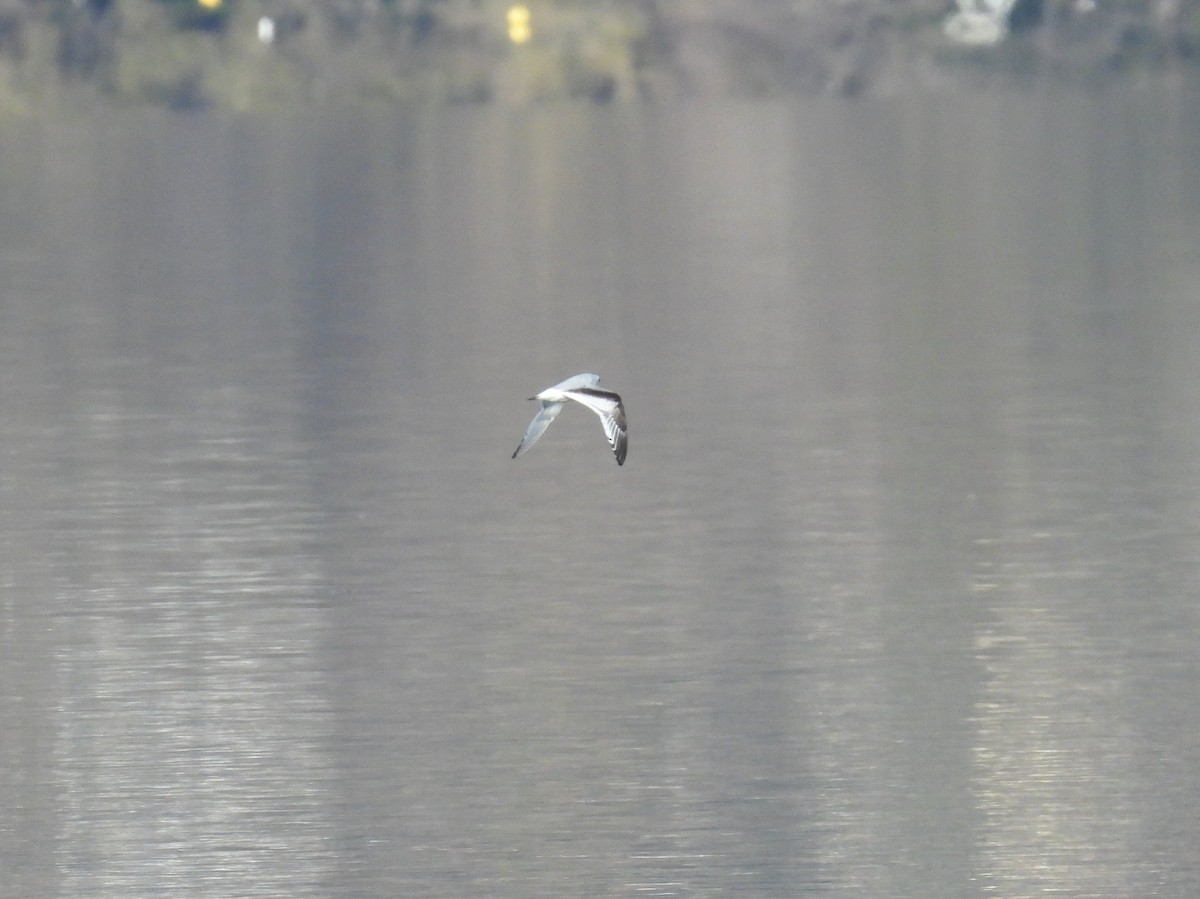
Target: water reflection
{"points": [[193, 727], [1075, 569], [894, 598]]}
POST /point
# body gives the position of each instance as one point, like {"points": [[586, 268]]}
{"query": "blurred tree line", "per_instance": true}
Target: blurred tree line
{"points": [[256, 53]]}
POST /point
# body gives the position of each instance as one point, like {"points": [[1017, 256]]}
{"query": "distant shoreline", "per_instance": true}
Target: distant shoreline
{"points": [[256, 55]]}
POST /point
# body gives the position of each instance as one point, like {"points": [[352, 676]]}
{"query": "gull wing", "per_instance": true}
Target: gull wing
{"points": [[537, 427], [611, 410], [587, 379]]}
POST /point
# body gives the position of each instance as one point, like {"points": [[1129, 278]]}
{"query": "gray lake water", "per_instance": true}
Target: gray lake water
{"points": [[898, 594]]}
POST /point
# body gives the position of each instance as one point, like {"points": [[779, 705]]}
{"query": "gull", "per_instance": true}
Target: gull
{"points": [[584, 389]]}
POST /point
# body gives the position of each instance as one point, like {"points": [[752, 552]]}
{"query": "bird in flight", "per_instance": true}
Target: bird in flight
{"points": [[584, 389]]}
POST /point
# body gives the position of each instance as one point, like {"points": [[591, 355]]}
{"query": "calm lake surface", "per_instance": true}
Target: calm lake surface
{"points": [[898, 594]]}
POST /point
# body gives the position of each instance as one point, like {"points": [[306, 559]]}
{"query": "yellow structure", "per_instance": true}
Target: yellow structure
{"points": [[519, 29]]}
